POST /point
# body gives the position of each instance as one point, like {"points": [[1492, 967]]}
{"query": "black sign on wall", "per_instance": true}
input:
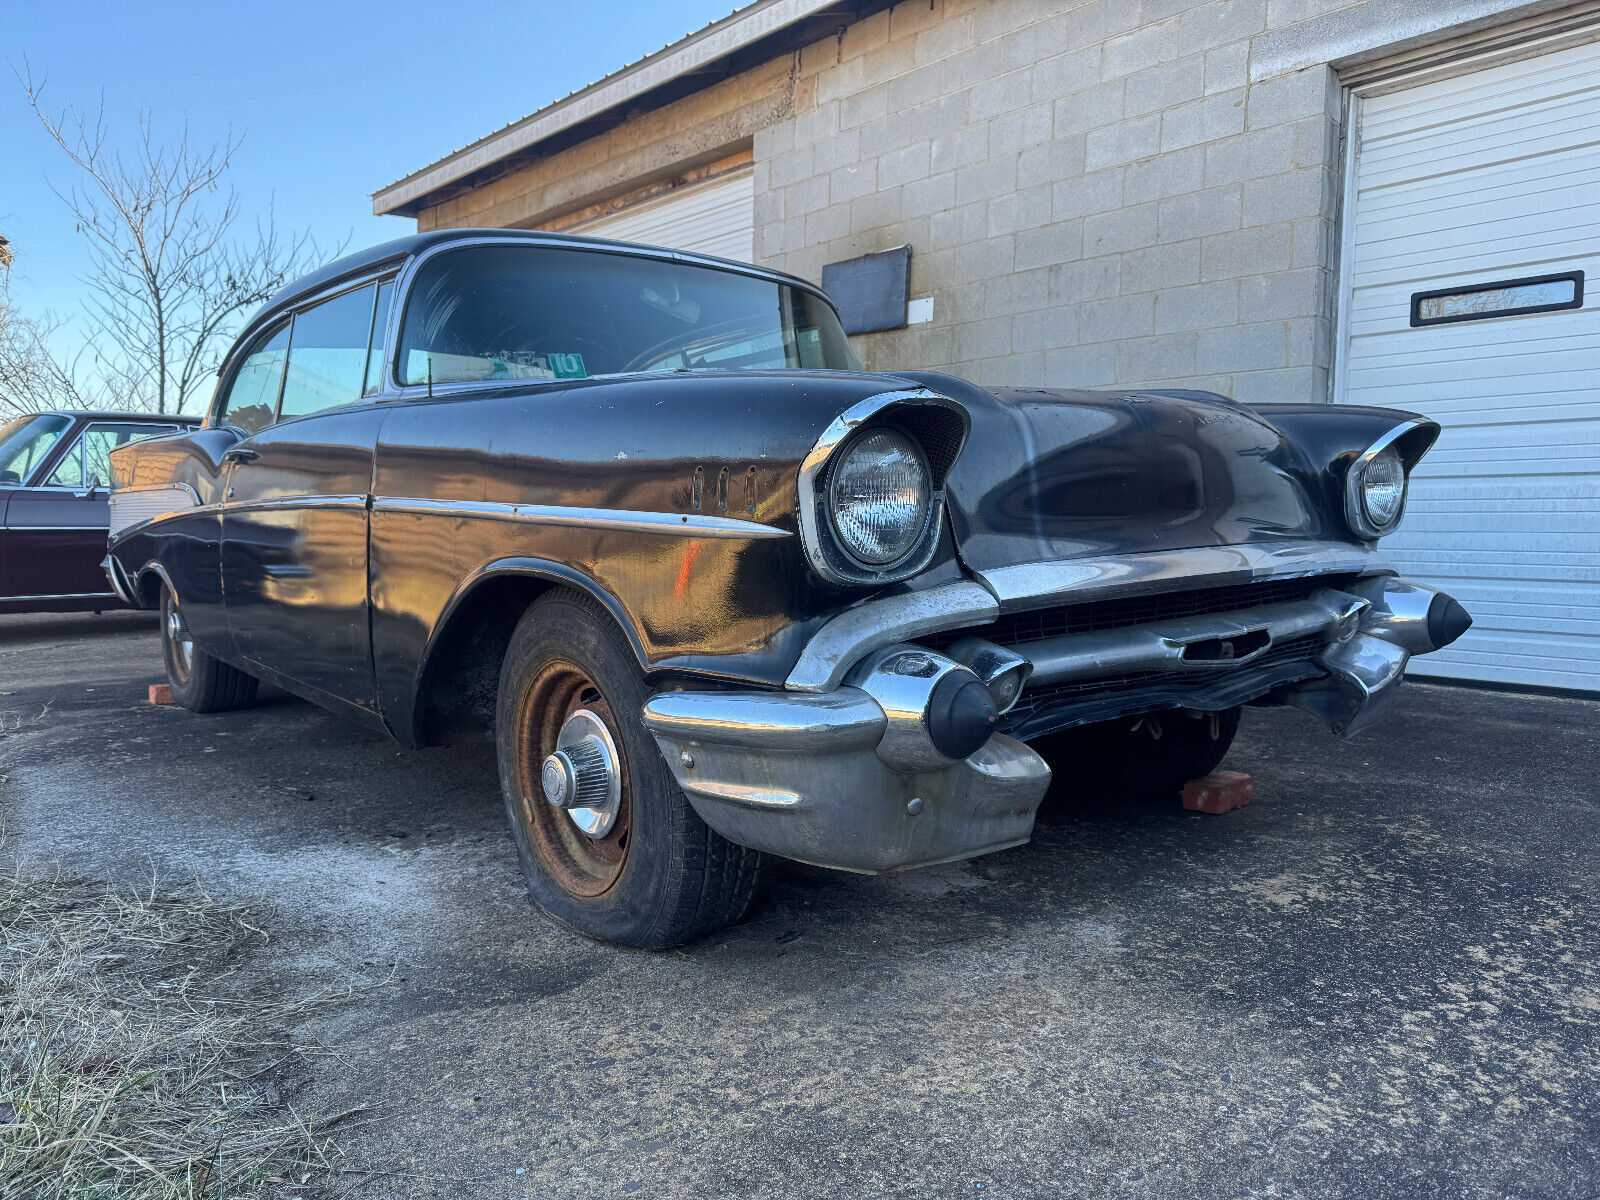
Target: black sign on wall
{"points": [[871, 290]]}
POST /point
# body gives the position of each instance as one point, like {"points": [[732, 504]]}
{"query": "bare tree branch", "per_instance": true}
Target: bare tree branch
{"points": [[169, 278]]}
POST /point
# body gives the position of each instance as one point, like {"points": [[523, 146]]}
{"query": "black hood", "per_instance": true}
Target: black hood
{"points": [[1055, 474]]}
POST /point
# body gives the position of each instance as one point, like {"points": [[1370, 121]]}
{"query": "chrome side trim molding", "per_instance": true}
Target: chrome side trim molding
{"points": [[620, 519], [63, 596], [268, 504], [872, 624], [143, 503], [1077, 580]]}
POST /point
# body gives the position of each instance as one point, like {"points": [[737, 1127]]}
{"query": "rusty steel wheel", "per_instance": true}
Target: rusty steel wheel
{"points": [[608, 842], [572, 779], [200, 682]]}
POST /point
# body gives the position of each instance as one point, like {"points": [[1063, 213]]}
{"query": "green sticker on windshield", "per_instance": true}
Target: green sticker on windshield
{"points": [[568, 366]]}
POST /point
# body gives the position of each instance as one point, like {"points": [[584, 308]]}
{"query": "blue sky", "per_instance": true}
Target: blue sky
{"points": [[335, 99]]}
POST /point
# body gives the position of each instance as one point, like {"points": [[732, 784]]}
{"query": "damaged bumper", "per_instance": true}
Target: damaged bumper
{"points": [[908, 762]]}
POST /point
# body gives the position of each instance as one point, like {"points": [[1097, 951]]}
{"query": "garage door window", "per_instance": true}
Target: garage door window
{"points": [[1501, 298]]}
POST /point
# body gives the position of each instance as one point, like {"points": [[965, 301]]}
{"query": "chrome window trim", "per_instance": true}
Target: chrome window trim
{"points": [[810, 499], [56, 528], [616, 519], [1355, 509], [1079, 580], [392, 388], [286, 314], [882, 621]]}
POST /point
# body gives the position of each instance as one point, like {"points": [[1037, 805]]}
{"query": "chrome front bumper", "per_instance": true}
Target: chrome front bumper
{"points": [[849, 778]]}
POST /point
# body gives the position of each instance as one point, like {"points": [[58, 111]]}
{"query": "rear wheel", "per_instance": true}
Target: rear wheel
{"points": [[200, 682], [1142, 758], [608, 842]]}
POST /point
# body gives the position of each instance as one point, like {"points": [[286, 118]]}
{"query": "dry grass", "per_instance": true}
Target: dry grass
{"points": [[135, 1063]]}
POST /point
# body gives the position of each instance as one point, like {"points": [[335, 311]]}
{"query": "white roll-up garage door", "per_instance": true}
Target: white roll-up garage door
{"points": [[1491, 178], [716, 217]]}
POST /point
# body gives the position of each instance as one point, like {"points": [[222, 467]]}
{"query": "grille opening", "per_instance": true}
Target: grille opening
{"points": [[1034, 625]]}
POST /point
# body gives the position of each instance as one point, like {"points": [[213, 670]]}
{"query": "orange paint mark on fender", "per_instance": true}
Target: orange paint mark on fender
{"points": [[690, 553]]}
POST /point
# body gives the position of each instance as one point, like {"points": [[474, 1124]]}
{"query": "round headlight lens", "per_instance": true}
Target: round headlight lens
{"points": [[879, 497], [1383, 488]]}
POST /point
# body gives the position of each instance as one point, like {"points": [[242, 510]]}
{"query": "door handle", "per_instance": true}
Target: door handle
{"points": [[241, 454]]}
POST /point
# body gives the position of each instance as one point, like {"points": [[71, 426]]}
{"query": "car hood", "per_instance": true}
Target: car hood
{"points": [[1056, 474]]}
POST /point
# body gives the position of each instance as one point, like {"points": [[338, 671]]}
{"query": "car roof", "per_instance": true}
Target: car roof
{"points": [[396, 251], [111, 414]]}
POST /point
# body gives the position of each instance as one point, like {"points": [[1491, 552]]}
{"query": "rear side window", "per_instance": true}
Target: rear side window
{"points": [[328, 349], [252, 398], [88, 464]]}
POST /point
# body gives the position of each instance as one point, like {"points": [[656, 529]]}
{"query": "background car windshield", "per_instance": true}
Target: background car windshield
{"points": [[536, 312], [24, 444]]}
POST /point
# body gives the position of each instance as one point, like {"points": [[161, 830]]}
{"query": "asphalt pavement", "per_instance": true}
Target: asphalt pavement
{"points": [[1377, 980]]}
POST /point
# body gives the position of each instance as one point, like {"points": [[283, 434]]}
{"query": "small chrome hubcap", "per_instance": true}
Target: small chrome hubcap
{"points": [[178, 637], [581, 776]]}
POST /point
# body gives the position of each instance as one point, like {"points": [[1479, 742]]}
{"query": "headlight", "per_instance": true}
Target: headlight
{"points": [[1376, 498], [879, 497], [1383, 489]]}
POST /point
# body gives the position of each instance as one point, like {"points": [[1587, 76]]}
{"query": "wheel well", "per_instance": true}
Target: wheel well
{"points": [[461, 682], [148, 588]]}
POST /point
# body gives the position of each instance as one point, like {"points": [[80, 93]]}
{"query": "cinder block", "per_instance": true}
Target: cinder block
{"points": [[1250, 156], [1124, 142], [1254, 251], [1199, 214], [1241, 348], [1302, 193], [1161, 268], [1205, 120], [1113, 320], [1164, 86], [1120, 229], [1202, 306]]}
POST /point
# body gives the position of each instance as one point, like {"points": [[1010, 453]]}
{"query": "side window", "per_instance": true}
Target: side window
{"points": [[380, 320], [253, 396], [88, 464], [328, 354], [25, 443]]}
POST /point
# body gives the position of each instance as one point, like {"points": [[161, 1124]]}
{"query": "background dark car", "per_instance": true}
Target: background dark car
{"points": [[54, 478]]}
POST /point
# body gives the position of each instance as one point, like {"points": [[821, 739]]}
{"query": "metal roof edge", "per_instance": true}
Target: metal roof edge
{"points": [[696, 52]]}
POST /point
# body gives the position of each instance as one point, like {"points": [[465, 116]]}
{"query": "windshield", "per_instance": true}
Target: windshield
{"points": [[537, 312], [24, 444]]}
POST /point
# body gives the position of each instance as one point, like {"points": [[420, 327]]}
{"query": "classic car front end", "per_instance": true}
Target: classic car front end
{"points": [[639, 517]]}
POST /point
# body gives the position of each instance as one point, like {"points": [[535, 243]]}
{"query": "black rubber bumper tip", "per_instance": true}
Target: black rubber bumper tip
{"points": [[961, 715], [1447, 620]]}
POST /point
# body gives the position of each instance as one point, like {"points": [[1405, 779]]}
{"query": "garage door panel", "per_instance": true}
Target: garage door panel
{"points": [[1485, 177], [714, 217]]}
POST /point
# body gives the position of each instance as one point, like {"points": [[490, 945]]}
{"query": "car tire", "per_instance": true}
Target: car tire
{"points": [[1142, 758], [657, 875], [200, 682]]}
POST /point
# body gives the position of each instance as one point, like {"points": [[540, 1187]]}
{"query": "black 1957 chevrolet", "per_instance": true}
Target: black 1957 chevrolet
{"points": [[715, 592]]}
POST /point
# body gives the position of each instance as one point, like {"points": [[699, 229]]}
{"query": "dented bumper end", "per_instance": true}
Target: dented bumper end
{"points": [[804, 776]]}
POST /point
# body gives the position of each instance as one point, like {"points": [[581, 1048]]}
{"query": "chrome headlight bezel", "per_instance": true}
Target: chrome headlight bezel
{"points": [[935, 425], [1357, 510]]}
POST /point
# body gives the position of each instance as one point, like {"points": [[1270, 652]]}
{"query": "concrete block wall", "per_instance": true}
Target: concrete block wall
{"points": [[1095, 193]]}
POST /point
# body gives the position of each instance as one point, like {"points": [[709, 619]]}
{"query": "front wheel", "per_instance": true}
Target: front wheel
{"points": [[1140, 758], [609, 844], [200, 682]]}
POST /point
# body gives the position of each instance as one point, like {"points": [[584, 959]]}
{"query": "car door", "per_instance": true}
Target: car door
{"points": [[57, 528], [294, 512], [26, 445]]}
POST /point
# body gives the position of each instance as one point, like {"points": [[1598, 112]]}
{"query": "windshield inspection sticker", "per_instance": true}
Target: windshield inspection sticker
{"points": [[568, 366]]}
